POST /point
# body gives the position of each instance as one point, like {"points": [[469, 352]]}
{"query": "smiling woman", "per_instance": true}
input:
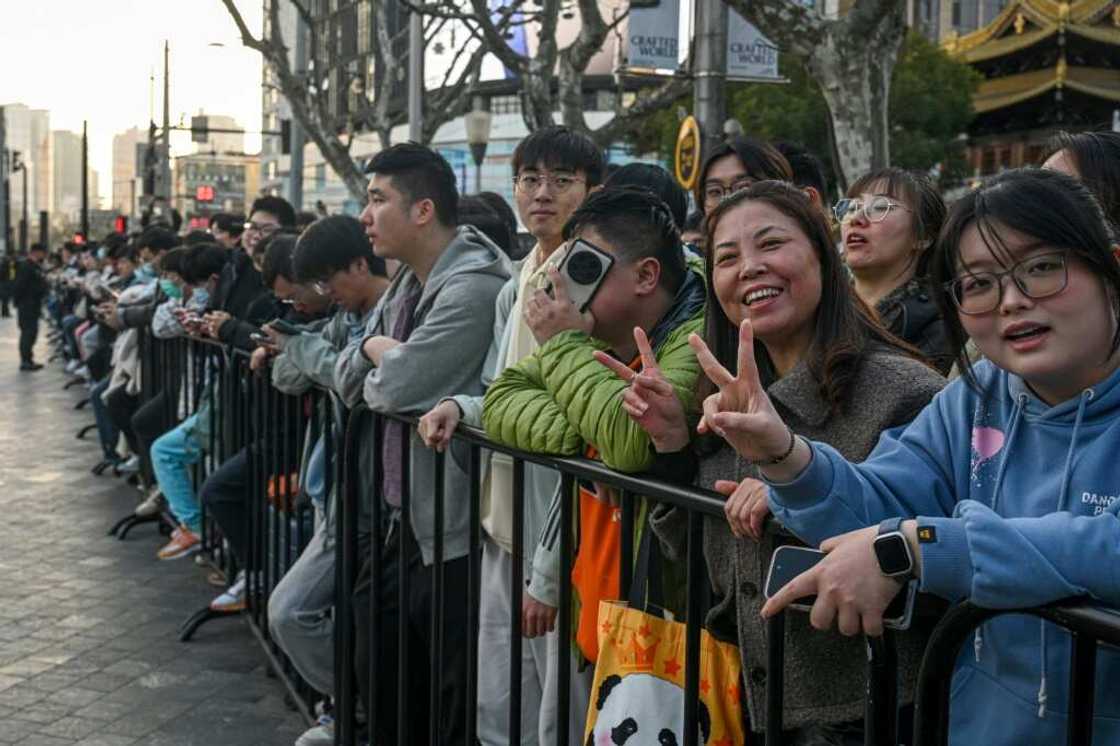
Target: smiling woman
{"points": [[834, 374]]}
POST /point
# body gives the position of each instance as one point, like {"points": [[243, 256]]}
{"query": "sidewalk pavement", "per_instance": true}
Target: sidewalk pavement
{"points": [[88, 647]]}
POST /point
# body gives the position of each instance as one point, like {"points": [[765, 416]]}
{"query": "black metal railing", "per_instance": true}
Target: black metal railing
{"points": [[697, 504], [272, 430], [275, 429], [1088, 625]]}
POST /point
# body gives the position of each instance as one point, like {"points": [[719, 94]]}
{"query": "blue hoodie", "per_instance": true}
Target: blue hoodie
{"points": [[1022, 501]]}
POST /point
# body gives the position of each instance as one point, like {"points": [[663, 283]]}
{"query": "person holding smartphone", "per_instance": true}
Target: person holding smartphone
{"points": [[836, 375], [998, 492]]}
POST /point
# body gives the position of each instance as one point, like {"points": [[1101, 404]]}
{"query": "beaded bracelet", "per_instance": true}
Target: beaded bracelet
{"points": [[783, 457]]}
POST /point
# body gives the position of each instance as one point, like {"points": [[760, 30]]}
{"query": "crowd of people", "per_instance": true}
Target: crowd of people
{"points": [[923, 391]]}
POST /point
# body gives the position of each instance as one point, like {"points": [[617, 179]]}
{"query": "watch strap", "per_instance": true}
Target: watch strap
{"points": [[890, 525]]}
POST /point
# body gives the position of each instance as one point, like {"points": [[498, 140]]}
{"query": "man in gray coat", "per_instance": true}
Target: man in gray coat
{"points": [[428, 338]]}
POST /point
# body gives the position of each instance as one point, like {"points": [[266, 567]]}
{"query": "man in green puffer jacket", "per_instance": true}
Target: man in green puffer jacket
{"points": [[561, 400]]}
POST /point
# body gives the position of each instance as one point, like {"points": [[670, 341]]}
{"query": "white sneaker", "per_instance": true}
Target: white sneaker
{"points": [[82, 372], [233, 599], [320, 735], [73, 365], [129, 466], [152, 504]]}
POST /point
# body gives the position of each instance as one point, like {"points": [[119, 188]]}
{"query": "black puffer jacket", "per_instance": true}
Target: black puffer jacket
{"points": [[910, 314]]}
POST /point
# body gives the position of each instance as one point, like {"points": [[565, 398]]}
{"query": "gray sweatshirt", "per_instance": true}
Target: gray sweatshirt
{"points": [[444, 355]]}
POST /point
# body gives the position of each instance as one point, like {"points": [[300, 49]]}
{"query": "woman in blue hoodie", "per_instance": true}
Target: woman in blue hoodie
{"points": [[1008, 476]]}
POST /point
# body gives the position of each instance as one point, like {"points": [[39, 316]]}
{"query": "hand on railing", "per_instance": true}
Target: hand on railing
{"points": [[212, 322], [746, 508], [850, 587], [261, 358], [650, 399], [438, 425]]}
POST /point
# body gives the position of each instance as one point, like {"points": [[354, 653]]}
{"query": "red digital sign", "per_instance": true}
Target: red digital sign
{"points": [[204, 193]]}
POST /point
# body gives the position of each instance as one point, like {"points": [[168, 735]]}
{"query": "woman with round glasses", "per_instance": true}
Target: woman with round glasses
{"points": [[888, 222], [1002, 491]]}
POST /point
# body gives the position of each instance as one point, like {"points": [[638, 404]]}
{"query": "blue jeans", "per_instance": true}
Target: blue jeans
{"points": [[172, 453], [106, 430]]}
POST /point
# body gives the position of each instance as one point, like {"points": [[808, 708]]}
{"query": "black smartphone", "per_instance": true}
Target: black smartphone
{"points": [[285, 327], [261, 339], [786, 564]]}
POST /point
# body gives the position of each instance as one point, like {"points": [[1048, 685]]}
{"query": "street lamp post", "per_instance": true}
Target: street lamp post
{"points": [[477, 122], [24, 225]]}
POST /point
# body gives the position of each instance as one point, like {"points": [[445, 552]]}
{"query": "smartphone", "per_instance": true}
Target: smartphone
{"points": [[285, 327], [790, 561], [787, 563], [261, 339], [585, 266]]}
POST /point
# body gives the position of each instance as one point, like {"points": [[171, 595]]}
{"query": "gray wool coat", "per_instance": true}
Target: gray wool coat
{"points": [[825, 672]]}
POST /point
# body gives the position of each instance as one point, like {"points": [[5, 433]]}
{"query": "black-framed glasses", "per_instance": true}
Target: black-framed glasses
{"points": [[714, 191], [1036, 277], [265, 229], [875, 210], [559, 183]]}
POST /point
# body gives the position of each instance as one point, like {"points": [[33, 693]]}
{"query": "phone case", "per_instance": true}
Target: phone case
{"points": [[770, 589], [582, 294]]}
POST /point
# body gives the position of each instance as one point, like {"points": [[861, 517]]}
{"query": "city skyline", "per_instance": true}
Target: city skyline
{"points": [[108, 86]]}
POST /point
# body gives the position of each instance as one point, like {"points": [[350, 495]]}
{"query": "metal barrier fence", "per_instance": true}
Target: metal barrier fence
{"points": [[1089, 625], [275, 429], [268, 432], [882, 669]]}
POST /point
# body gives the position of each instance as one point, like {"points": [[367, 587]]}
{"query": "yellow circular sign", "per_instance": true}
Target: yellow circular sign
{"points": [[687, 160]]}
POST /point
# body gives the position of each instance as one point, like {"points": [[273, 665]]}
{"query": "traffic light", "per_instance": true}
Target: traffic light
{"points": [[204, 193], [120, 224]]}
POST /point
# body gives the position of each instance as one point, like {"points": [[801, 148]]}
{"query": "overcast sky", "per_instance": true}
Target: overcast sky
{"points": [[91, 59]]}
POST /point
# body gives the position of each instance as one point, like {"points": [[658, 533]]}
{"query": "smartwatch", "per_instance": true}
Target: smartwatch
{"points": [[893, 550]]}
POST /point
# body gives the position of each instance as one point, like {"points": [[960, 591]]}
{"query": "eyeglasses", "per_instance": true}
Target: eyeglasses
{"points": [[321, 287], [875, 210], [559, 183], [715, 191], [1036, 277], [265, 229]]}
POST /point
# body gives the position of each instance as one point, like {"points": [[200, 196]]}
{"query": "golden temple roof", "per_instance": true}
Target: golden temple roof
{"points": [[1025, 23]]}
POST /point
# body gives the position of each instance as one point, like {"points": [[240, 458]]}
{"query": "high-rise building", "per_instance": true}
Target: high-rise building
{"points": [[29, 133], [940, 19], [127, 185], [66, 173], [206, 183]]}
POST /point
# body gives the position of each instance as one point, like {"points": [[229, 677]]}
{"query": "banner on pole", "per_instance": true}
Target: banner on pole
{"points": [[653, 36], [750, 55]]}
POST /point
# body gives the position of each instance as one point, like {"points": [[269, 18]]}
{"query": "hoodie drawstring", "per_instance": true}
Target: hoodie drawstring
{"points": [[1016, 416], [1086, 397]]}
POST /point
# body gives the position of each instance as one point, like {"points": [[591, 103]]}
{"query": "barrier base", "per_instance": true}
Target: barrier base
{"points": [[121, 528], [86, 431], [199, 618], [74, 382]]}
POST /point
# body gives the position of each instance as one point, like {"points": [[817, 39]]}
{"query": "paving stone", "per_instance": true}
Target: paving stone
{"points": [[89, 650]]}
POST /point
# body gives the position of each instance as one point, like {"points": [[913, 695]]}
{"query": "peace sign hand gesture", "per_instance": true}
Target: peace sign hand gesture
{"points": [[650, 400], [741, 411]]}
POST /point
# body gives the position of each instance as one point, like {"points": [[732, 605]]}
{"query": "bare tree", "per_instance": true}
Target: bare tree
{"points": [[553, 78], [377, 110], [851, 58]]}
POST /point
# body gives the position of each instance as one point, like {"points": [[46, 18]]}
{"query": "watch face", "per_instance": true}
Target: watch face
{"points": [[893, 554]]}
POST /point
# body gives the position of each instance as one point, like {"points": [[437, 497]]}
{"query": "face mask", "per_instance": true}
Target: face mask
{"points": [[170, 289]]}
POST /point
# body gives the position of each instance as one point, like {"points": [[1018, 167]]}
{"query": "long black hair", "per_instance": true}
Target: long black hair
{"points": [[1049, 206], [761, 160], [844, 328], [1097, 158]]}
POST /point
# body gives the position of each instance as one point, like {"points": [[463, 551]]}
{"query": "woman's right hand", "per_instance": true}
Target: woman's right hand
{"points": [[746, 507], [741, 412]]}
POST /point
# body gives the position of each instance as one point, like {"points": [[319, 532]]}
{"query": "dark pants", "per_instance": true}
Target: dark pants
{"points": [[451, 719], [225, 494], [152, 419], [121, 406], [28, 319]]}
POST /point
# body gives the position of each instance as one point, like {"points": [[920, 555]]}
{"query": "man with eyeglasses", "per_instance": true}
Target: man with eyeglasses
{"points": [[240, 282], [554, 169]]}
